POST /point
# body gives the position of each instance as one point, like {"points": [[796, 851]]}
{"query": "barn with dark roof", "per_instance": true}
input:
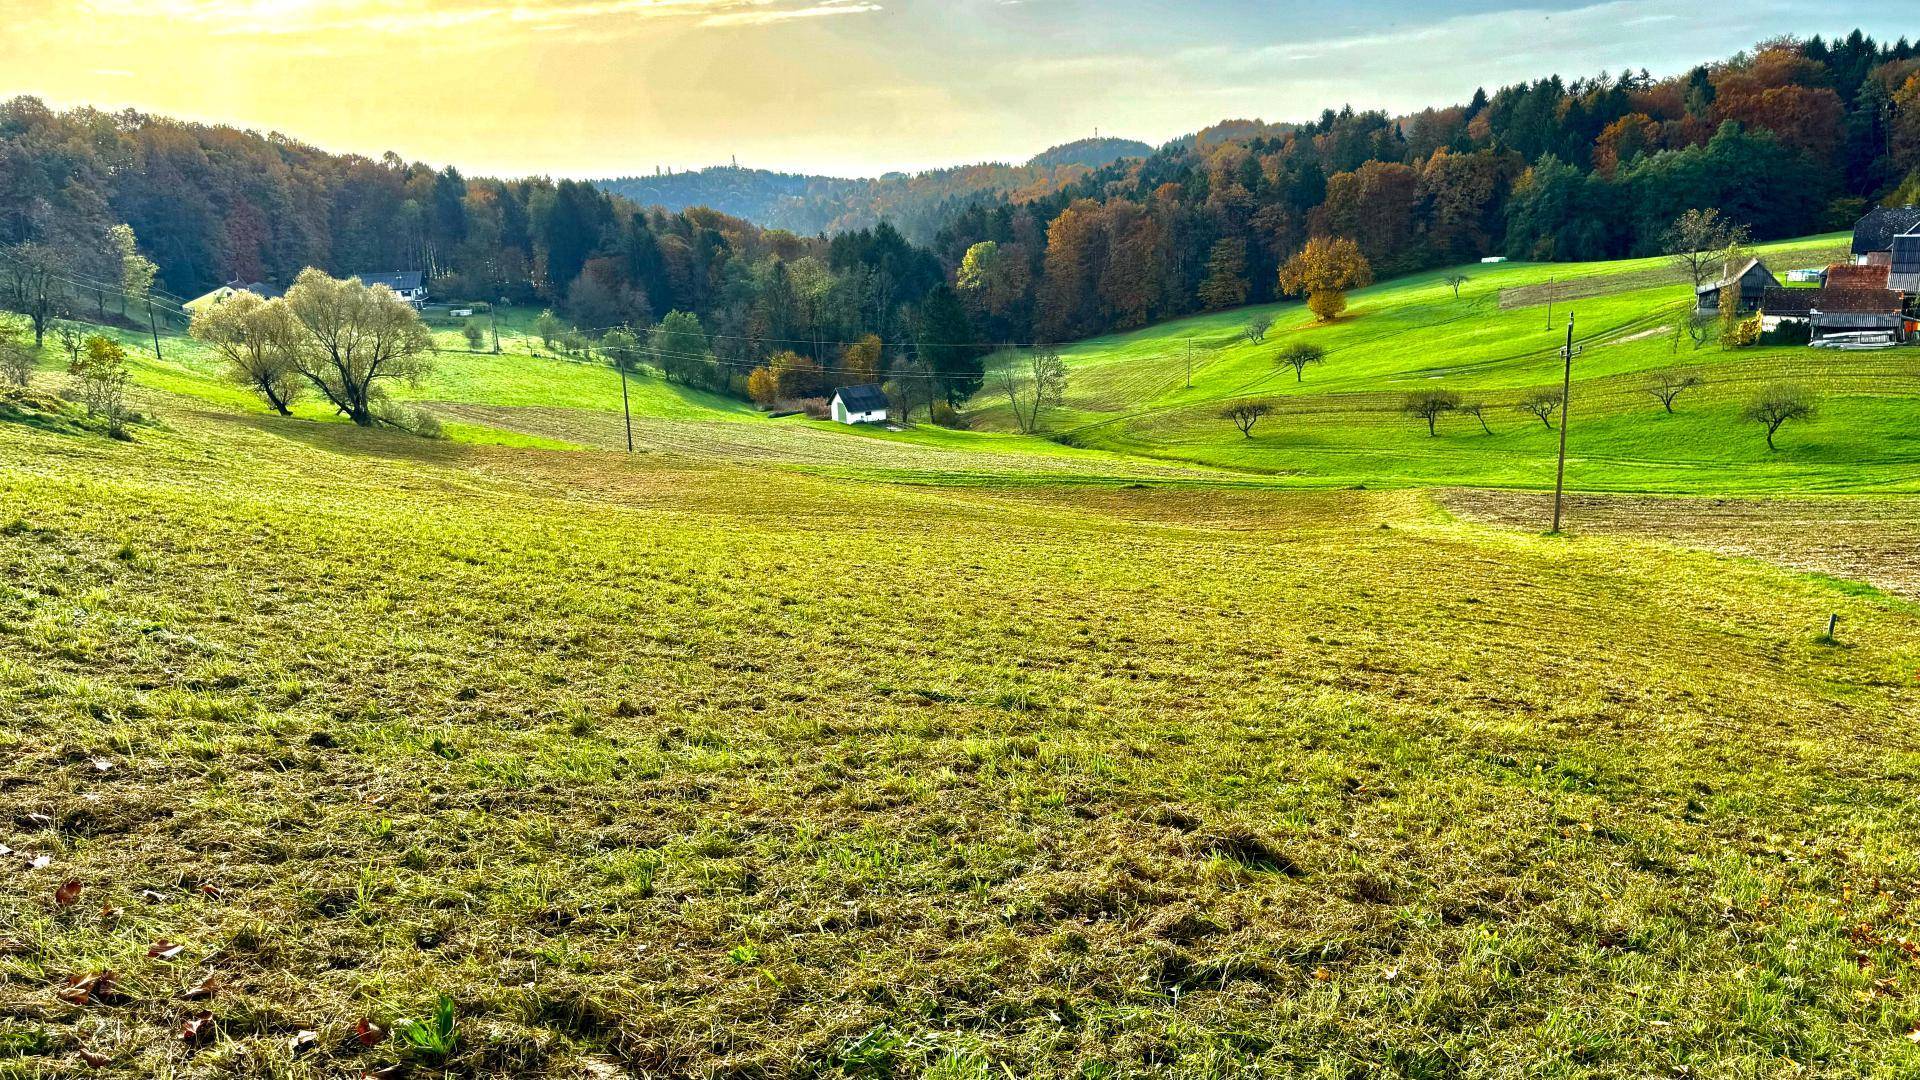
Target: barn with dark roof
{"points": [[864, 404]]}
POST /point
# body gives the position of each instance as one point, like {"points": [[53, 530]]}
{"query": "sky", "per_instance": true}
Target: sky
{"points": [[591, 88]]}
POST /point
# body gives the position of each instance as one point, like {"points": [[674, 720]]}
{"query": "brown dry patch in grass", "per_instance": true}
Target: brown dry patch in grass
{"points": [[1873, 539]]}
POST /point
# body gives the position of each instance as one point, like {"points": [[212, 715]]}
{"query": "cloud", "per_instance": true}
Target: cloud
{"points": [[285, 17]]}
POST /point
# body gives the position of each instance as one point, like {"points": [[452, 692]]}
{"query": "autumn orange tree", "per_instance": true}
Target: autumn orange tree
{"points": [[1323, 271]]}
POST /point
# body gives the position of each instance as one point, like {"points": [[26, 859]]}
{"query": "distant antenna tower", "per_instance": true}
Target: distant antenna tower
{"points": [[736, 160]]}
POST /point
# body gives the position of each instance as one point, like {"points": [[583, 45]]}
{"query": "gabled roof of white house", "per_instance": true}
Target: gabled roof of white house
{"points": [[863, 398], [397, 280]]}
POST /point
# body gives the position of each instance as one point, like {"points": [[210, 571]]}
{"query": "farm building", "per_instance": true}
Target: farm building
{"points": [[1865, 316], [1746, 285], [408, 285], [864, 404], [1857, 276], [1904, 264], [1874, 234], [224, 292]]}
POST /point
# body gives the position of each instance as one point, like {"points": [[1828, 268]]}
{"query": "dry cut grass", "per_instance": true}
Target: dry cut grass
{"points": [[666, 767]]}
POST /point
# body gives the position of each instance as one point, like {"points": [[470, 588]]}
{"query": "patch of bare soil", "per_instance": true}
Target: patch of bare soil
{"points": [[1874, 539]]}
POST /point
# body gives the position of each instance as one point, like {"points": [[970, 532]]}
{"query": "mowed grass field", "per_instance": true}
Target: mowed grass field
{"points": [[682, 766], [1492, 344]]}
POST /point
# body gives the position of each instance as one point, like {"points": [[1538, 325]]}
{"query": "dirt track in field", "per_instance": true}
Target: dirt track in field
{"points": [[1872, 539]]}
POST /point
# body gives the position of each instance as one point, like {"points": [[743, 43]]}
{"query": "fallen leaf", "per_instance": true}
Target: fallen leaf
{"points": [[41, 862], [67, 893], [101, 764], [203, 989], [386, 1072], [111, 912], [210, 891], [93, 1060], [197, 1028], [152, 897], [1914, 1035], [5, 851], [369, 1033], [1322, 974], [86, 989], [165, 950], [303, 1041], [41, 820]]}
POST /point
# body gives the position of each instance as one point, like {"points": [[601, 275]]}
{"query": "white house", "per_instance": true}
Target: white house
{"points": [[408, 285], [1492, 259], [859, 405]]}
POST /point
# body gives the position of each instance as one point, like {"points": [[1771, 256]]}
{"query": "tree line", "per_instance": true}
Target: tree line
{"points": [[1791, 137]]}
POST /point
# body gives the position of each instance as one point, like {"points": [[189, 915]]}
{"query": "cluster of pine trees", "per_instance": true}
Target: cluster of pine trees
{"points": [[1790, 138]]}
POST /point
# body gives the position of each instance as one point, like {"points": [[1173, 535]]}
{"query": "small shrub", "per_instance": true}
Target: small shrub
{"points": [[434, 1039]]}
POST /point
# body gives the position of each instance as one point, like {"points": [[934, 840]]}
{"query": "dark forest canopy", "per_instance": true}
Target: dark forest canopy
{"points": [[1790, 138]]}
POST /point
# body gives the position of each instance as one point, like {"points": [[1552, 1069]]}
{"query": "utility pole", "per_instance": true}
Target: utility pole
{"points": [[626, 410], [493, 319], [1566, 392], [1189, 363], [154, 327]]}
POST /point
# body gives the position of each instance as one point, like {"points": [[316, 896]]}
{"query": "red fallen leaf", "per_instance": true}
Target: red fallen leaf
{"points": [[210, 891], [83, 990], [165, 950], [197, 1028], [111, 912], [369, 1033], [203, 989], [93, 1060], [303, 1041], [67, 893]]}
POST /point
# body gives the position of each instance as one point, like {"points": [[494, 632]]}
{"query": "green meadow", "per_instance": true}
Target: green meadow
{"points": [[1146, 750]]}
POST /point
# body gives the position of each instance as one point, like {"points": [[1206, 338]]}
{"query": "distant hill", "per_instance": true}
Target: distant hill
{"points": [[915, 202], [1092, 153]]}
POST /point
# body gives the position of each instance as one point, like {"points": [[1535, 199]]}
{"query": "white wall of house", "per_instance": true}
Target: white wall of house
{"points": [[841, 414]]}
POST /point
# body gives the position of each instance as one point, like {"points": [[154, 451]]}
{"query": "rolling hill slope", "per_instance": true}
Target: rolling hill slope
{"points": [[1343, 424]]}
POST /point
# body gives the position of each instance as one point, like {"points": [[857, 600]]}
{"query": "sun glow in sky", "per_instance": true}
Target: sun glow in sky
{"points": [[606, 87]]}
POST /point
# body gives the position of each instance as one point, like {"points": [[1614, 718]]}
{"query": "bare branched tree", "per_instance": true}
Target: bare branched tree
{"points": [[1477, 410], [1542, 404], [1257, 327], [1667, 385], [1034, 382], [1776, 405], [1245, 414], [1430, 405], [1699, 241]]}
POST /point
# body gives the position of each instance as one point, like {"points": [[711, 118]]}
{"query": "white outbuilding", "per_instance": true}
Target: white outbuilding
{"points": [[860, 405]]}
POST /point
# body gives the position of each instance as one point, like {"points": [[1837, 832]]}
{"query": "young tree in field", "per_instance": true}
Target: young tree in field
{"points": [[1037, 383], [1430, 405], [1477, 410], [356, 340], [1323, 271], [622, 346], [475, 336], [1257, 327], [1699, 328], [136, 270], [70, 338], [1667, 385], [16, 358], [1699, 241], [1245, 414], [102, 374], [257, 338], [1454, 281], [549, 326], [1226, 282], [30, 281], [1776, 405], [910, 387], [1542, 404], [1300, 354]]}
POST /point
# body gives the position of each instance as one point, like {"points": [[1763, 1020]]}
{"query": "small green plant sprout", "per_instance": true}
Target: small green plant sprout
{"points": [[1430, 405], [434, 1039], [744, 953], [1245, 414]]}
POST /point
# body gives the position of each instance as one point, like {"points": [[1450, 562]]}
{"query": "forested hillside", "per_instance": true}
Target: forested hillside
{"points": [[1789, 139]]}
